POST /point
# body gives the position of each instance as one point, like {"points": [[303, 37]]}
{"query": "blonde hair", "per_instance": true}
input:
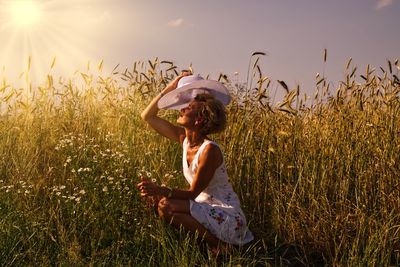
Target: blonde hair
{"points": [[213, 112]]}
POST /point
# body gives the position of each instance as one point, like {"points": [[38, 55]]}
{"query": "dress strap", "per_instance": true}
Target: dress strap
{"points": [[184, 146], [203, 146]]}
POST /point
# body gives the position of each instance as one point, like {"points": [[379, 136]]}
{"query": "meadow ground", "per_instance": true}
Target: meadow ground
{"points": [[319, 182]]}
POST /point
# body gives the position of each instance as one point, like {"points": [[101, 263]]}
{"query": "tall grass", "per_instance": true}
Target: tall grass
{"points": [[319, 183]]}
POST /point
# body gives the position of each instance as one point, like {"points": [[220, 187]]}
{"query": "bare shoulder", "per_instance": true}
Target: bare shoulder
{"points": [[212, 153]]}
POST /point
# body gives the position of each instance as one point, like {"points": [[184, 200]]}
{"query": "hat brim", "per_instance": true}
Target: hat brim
{"points": [[182, 96]]}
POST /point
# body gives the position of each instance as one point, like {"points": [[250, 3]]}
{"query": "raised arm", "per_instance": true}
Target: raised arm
{"points": [[163, 127]]}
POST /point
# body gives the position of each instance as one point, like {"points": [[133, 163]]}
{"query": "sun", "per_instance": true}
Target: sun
{"points": [[35, 32], [24, 13]]}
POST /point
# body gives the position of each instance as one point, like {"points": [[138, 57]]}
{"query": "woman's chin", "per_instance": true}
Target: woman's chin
{"points": [[184, 123], [180, 121]]}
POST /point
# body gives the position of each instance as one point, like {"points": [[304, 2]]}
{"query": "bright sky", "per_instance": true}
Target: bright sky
{"points": [[214, 35]]}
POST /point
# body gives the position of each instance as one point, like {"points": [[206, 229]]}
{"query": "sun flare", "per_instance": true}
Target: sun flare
{"points": [[24, 13], [38, 31]]}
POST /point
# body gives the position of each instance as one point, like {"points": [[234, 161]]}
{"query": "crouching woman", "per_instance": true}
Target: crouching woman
{"points": [[209, 206]]}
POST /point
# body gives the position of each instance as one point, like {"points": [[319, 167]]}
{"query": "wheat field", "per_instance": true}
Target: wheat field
{"points": [[318, 177]]}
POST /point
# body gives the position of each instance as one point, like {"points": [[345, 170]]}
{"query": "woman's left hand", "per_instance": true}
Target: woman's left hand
{"points": [[148, 188]]}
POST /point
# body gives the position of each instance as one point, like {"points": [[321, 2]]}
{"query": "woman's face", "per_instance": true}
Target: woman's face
{"points": [[189, 114]]}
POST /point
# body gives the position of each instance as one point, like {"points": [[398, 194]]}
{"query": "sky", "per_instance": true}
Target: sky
{"points": [[214, 36]]}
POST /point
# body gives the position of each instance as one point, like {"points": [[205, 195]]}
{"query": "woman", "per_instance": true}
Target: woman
{"points": [[209, 207]]}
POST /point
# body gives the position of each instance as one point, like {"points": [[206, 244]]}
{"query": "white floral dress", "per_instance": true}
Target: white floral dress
{"points": [[217, 207]]}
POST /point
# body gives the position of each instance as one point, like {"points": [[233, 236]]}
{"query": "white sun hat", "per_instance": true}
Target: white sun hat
{"points": [[188, 88]]}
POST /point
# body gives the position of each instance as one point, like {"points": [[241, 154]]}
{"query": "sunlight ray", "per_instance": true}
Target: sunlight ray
{"points": [[53, 30]]}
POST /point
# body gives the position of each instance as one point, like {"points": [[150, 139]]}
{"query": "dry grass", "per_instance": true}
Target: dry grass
{"points": [[318, 182]]}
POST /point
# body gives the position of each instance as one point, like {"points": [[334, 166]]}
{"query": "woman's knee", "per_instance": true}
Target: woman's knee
{"points": [[164, 208]]}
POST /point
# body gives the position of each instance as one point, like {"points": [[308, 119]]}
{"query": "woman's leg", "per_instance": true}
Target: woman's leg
{"points": [[177, 212]]}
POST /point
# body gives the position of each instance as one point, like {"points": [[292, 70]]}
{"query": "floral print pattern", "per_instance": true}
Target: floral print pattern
{"points": [[239, 222], [228, 197], [217, 215]]}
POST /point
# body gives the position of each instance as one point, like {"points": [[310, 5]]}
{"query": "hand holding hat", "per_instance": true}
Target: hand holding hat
{"points": [[188, 87], [174, 83]]}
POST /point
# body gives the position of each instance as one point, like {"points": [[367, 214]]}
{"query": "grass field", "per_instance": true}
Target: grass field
{"points": [[319, 182]]}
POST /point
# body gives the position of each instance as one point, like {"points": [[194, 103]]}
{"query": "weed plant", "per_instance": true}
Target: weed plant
{"points": [[318, 180]]}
